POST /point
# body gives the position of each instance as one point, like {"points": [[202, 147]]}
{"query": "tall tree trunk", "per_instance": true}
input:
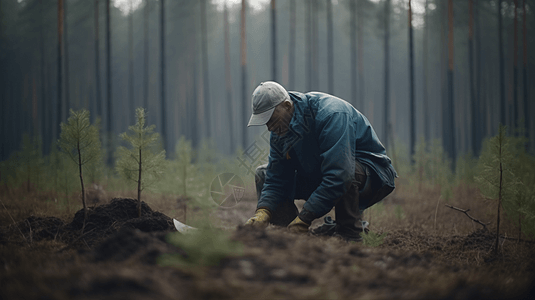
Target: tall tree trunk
{"points": [[353, 52], [480, 117], [98, 97], [273, 41], [448, 128], [360, 65], [206, 86], [503, 118], [243, 63], [146, 56], [386, 118], [68, 103], [162, 76], [308, 43], [228, 80], [35, 117], [291, 62], [473, 100], [108, 90], [196, 121], [330, 46], [44, 132], [130, 101], [525, 75], [59, 103], [314, 25], [412, 108], [515, 68], [425, 99]]}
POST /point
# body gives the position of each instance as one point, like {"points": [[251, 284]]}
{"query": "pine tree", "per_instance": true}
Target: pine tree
{"points": [[142, 164], [496, 179], [80, 141]]}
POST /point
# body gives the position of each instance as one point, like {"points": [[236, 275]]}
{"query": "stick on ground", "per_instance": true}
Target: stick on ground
{"points": [[15, 223], [465, 211]]}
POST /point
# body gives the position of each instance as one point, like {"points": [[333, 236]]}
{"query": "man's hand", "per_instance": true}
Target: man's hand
{"points": [[298, 226], [261, 218]]}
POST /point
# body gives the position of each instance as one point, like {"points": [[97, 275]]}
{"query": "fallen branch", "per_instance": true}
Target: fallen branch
{"points": [[465, 211], [15, 223]]}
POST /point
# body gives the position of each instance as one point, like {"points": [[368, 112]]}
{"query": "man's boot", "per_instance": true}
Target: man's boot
{"points": [[348, 224]]}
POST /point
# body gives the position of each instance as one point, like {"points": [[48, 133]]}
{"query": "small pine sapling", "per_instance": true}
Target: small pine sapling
{"points": [[496, 179], [80, 141], [142, 164]]}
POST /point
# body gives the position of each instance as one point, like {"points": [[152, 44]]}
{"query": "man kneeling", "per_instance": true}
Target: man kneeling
{"points": [[322, 150]]}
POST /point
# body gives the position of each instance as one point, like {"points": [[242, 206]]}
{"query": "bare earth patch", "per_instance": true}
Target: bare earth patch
{"points": [[117, 257]]}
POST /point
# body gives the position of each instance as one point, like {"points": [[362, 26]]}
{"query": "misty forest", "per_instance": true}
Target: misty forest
{"points": [[122, 118]]}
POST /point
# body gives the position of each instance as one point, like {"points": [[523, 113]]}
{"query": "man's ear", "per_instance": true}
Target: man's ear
{"points": [[287, 104]]}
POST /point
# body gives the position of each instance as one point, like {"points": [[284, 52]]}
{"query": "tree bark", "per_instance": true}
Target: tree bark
{"points": [[503, 118], [448, 129], [515, 68], [109, 86], [44, 133], [412, 108], [353, 52], [146, 55], [291, 62], [473, 100], [228, 80], [525, 76], [360, 47], [425, 99], [273, 41], [130, 101], [162, 76], [97, 63], [386, 118], [68, 103], [330, 47], [206, 86], [59, 107], [308, 44], [243, 63]]}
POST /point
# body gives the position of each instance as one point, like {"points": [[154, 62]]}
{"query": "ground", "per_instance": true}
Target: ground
{"points": [[429, 252]]}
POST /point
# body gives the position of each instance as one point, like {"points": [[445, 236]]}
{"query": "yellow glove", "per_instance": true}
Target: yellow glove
{"points": [[298, 226], [261, 218]]}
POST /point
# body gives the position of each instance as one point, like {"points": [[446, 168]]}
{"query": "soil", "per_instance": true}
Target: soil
{"points": [[116, 255]]}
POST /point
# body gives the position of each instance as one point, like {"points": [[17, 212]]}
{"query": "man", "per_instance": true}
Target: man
{"points": [[322, 150]]}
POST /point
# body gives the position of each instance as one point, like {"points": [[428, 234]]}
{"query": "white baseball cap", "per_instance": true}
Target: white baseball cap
{"points": [[265, 97]]}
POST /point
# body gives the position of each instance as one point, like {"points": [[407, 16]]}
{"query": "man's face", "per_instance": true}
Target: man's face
{"points": [[279, 122]]}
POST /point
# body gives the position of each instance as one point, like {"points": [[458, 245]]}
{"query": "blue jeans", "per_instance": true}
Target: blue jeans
{"points": [[348, 208]]}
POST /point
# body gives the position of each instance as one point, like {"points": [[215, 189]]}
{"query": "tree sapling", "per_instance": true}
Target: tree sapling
{"points": [[80, 141], [142, 163]]}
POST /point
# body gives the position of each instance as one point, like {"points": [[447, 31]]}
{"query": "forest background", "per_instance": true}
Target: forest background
{"points": [[462, 68]]}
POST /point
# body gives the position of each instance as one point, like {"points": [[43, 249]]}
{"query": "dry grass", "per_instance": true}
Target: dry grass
{"points": [[430, 251]]}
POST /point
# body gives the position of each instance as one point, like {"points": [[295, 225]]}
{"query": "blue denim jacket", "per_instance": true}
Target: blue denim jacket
{"points": [[326, 136]]}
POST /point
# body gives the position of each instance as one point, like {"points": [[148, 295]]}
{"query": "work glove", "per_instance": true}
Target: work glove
{"points": [[298, 226], [261, 218]]}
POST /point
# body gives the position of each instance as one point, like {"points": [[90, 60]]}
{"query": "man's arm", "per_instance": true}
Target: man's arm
{"points": [[336, 140], [279, 182]]}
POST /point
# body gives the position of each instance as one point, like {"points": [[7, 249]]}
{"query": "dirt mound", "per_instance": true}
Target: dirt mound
{"points": [[105, 220], [32, 229], [128, 243], [102, 222]]}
